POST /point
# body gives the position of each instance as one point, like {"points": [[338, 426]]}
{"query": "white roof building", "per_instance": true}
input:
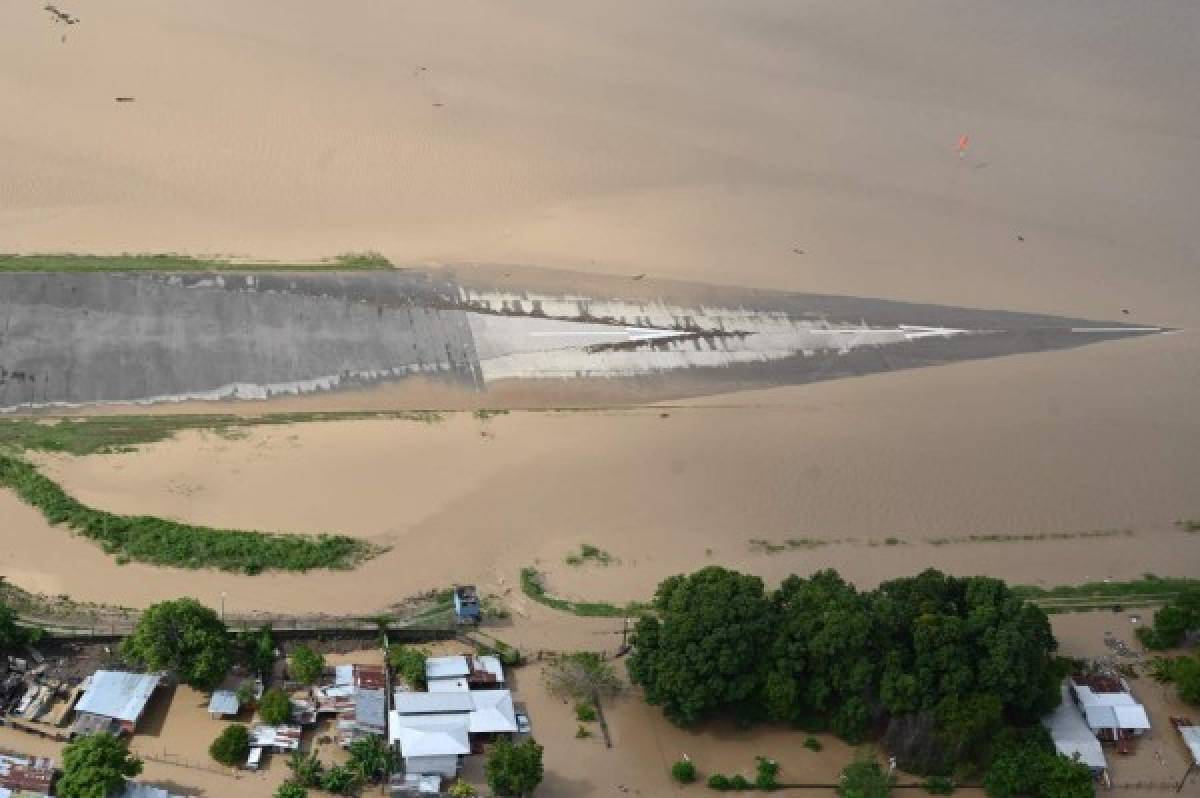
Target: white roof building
{"points": [[118, 695], [1191, 738], [135, 789], [446, 668], [430, 744], [409, 703], [224, 702], [449, 686], [1111, 711], [1072, 736], [276, 738], [493, 712]]}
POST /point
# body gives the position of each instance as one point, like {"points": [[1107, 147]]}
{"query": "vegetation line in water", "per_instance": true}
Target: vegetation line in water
{"points": [[163, 542]]}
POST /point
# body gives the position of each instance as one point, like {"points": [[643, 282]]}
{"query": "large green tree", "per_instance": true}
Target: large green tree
{"points": [[864, 778], [515, 770], [183, 636], [370, 758], [96, 766], [824, 661], [275, 707], [702, 652]]}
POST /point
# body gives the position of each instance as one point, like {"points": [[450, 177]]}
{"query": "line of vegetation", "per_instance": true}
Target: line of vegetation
{"points": [[170, 262], [531, 586], [160, 541], [109, 434], [1188, 525], [771, 547], [1030, 537], [1178, 619], [1159, 588]]}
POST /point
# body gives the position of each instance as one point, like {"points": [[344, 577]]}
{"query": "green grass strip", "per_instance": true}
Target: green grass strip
{"points": [[1149, 586], [531, 586], [108, 434], [162, 542], [65, 262]]}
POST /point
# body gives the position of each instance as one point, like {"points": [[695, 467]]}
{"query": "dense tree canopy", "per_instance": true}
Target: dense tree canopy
{"points": [[183, 636], [96, 767], [514, 769], [703, 651], [824, 660], [942, 661], [864, 778]]}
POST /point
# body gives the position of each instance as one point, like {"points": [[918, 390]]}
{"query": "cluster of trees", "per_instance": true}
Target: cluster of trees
{"points": [[938, 663], [409, 664], [12, 634], [369, 763], [515, 769], [1026, 764], [96, 767], [1173, 621]]}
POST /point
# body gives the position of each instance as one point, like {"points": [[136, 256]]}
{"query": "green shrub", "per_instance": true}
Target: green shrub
{"points": [[340, 780], [581, 732], [275, 707], [683, 771], [864, 778], [718, 781], [739, 782], [307, 665], [938, 785], [306, 769], [812, 744], [766, 775], [409, 664], [232, 745], [290, 789], [585, 713]]}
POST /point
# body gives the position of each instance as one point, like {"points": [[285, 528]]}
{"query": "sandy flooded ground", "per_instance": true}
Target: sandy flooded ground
{"points": [[662, 490]]}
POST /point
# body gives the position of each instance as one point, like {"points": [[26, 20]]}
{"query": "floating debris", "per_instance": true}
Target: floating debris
{"points": [[60, 15], [125, 99]]}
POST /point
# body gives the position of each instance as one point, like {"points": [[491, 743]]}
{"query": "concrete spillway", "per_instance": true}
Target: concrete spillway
{"points": [[84, 339]]}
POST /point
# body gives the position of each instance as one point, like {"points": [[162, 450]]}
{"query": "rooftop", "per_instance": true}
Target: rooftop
{"points": [[117, 694], [409, 703], [1071, 734], [429, 735], [224, 702], [446, 668], [17, 773], [493, 712]]}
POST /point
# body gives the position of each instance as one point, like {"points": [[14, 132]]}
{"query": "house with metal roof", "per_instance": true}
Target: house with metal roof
{"points": [[224, 703], [114, 701], [368, 717], [1073, 738], [410, 703], [135, 789], [1111, 711], [493, 713], [430, 744], [477, 672]]}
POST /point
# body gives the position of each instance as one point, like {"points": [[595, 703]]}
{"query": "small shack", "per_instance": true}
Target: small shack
{"points": [[113, 701], [1111, 711], [224, 704], [466, 604], [25, 776]]}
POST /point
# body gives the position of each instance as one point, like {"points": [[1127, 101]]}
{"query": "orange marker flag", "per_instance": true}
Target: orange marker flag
{"points": [[963, 140]]}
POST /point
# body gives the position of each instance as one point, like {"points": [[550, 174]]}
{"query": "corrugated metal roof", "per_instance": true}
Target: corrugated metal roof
{"points": [[449, 686], [1191, 738], [491, 665], [134, 789], [224, 702], [409, 703], [120, 695], [370, 708]]}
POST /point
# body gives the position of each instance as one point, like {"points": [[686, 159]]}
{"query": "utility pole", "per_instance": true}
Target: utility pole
{"points": [[222, 606]]}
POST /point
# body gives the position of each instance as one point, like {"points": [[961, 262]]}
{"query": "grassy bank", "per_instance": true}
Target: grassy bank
{"points": [[63, 262], [106, 434], [531, 586], [159, 541]]}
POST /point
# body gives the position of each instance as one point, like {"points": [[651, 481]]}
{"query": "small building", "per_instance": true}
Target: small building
{"points": [[410, 703], [135, 789], [1073, 738], [477, 672], [416, 784], [493, 713], [279, 739], [1111, 711], [466, 604], [224, 704], [430, 744], [25, 777], [113, 701]]}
